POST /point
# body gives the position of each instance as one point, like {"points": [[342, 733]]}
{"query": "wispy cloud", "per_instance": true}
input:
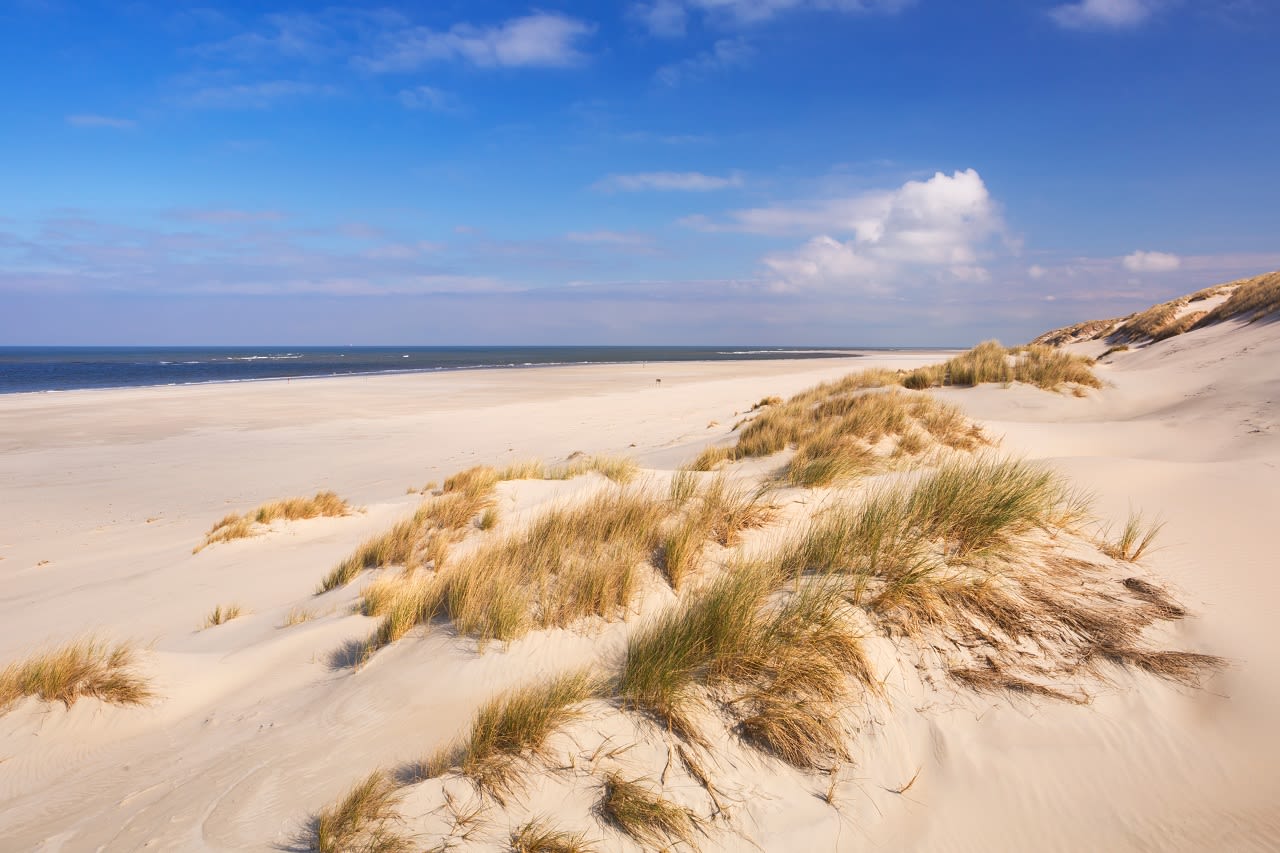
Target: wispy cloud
{"points": [[426, 98], [608, 238], [723, 55], [256, 96], [91, 120], [662, 18], [227, 216], [667, 18], [668, 182], [1104, 14], [543, 39]]}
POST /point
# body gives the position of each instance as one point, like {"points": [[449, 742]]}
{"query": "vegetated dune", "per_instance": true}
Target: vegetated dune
{"points": [[954, 618], [1248, 299]]}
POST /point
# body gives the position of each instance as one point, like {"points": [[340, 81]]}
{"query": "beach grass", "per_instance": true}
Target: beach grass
{"points": [[236, 526], [83, 668], [540, 836], [364, 820], [653, 821], [1035, 364], [510, 731], [1134, 539], [223, 613]]}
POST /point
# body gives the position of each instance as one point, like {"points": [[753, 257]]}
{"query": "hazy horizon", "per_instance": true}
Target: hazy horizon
{"points": [[666, 172]]}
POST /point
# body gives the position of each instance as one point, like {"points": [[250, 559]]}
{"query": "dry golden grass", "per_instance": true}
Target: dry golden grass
{"points": [[1035, 364], [222, 614], [965, 556], [1134, 539], [583, 560], [619, 469], [682, 549], [423, 538], [1177, 326], [684, 485], [296, 616], [1148, 324], [488, 519], [845, 429], [477, 480], [654, 822], [364, 820], [235, 526], [711, 457], [539, 836], [509, 733], [765, 402], [719, 510], [1115, 349], [83, 668], [782, 660], [1254, 299]]}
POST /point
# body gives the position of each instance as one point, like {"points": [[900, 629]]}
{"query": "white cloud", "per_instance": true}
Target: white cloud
{"points": [[1151, 262], [610, 238], [403, 251], [753, 11], [725, 53], [668, 181], [425, 98], [253, 95], [662, 18], [1036, 271], [937, 228], [1115, 14], [543, 39], [100, 121]]}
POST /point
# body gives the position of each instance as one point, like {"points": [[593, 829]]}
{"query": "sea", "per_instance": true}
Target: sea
{"points": [[27, 369]]}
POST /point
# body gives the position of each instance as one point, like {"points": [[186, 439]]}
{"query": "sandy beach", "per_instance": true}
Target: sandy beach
{"points": [[253, 729]]}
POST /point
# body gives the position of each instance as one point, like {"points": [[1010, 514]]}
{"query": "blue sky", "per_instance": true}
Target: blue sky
{"points": [[878, 172]]}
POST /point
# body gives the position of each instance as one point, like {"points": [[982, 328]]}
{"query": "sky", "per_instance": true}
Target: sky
{"points": [[808, 172]]}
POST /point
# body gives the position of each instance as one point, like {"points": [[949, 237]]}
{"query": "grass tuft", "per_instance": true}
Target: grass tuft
{"points": [[538, 836], [88, 667], [296, 616], [364, 820], [222, 614], [654, 822], [1134, 539], [1036, 364], [235, 526], [510, 731]]}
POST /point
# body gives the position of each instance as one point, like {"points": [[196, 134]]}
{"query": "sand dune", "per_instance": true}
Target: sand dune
{"points": [[256, 729]]}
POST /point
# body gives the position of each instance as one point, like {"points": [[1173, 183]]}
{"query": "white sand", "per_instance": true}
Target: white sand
{"points": [[254, 731]]}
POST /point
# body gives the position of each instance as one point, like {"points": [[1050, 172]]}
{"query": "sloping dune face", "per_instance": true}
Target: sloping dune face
{"points": [[1056, 637]]}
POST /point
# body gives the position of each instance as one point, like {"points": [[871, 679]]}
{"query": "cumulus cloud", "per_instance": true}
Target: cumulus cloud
{"points": [[1114, 14], [668, 181], [543, 39], [1151, 262], [877, 242]]}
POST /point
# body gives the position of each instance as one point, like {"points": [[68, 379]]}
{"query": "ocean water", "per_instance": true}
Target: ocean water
{"points": [[66, 368]]}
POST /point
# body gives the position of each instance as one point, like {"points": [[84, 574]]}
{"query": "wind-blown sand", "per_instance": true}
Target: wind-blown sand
{"points": [[107, 492]]}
